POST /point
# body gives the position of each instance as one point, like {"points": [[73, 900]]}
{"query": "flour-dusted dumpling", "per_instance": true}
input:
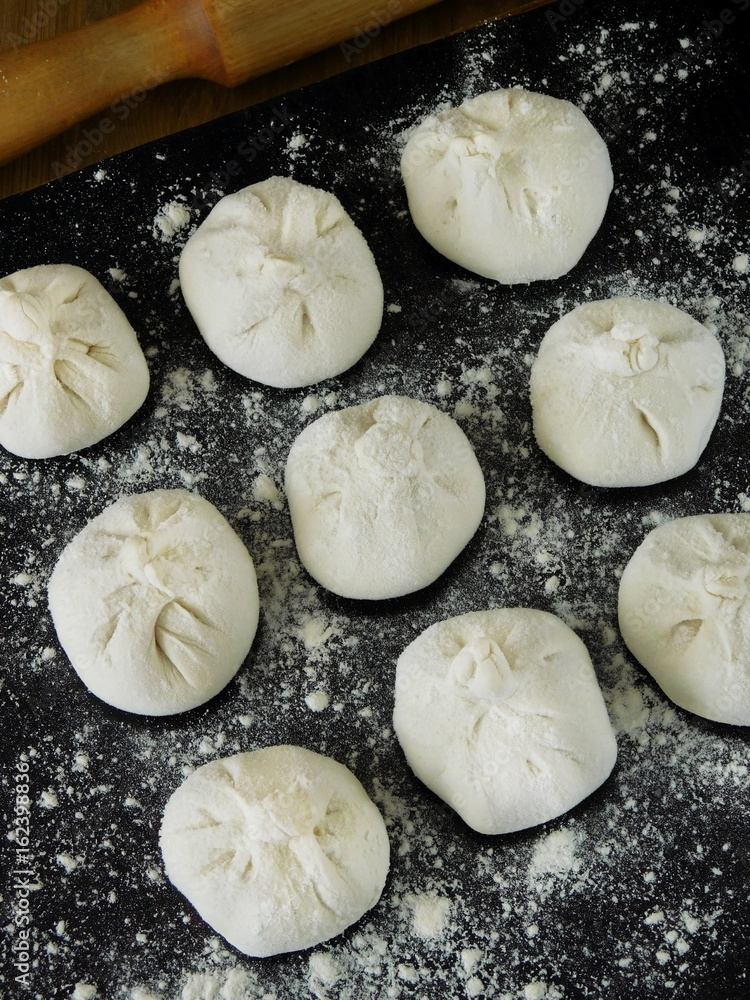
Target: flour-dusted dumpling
{"points": [[512, 185], [500, 714], [383, 497], [282, 284], [626, 392], [684, 611], [277, 849], [71, 370], [155, 602]]}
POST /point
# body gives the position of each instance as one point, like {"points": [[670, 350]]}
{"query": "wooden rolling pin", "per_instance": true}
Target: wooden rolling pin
{"points": [[47, 86]]}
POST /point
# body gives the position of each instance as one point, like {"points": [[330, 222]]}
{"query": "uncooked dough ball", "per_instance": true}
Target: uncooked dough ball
{"points": [[71, 370], [500, 714], [278, 849], [512, 185], [155, 602], [282, 284], [684, 610], [383, 497], [626, 392]]}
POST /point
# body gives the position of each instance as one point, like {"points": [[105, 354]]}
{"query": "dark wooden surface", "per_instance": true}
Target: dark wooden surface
{"points": [[184, 103]]}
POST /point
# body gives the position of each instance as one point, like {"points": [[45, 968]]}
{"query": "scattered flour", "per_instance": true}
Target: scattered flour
{"points": [[170, 219], [430, 913], [634, 894]]}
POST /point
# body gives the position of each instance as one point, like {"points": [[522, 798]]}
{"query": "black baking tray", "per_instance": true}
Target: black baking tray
{"points": [[642, 890]]}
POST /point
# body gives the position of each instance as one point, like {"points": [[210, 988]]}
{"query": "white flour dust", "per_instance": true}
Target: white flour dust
{"points": [[630, 894]]}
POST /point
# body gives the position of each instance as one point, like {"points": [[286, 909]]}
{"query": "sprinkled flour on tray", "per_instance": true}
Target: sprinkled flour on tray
{"points": [[638, 892]]}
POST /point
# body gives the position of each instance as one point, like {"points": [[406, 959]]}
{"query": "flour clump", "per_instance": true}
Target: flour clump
{"points": [[155, 602], [511, 184], [383, 497], [71, 368], [626, 392], [684, 611], [282, 285], [500, 714], [278, 849]]}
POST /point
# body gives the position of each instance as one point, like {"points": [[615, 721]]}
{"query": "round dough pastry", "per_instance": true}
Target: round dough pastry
{"points": [[684, 610], [500, 714], [383, 497], [512, 185], [282, 284], [626, 392], [278, 849], [71, 369], [155, 602]]}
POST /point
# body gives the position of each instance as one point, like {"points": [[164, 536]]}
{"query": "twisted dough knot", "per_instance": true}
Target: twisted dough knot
{"points": [[640, 346], [482, 672], [139, 564], [302, 276], [727, 581]]}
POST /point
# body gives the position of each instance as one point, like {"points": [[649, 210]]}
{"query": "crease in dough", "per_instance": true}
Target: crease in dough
{"points": [[684, 613], [155, 602], [383, 496], [278, 849], [512, 184], [626, 392], [71, 369], [282, 285], [500, 714]]}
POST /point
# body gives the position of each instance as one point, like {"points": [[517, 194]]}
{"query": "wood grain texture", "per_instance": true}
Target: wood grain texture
{"points": [[46, 86], [149, 112]]}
